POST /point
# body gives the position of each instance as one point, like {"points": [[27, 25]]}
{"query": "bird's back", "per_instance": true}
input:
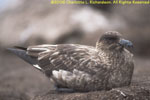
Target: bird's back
{"points": [[83, 68], [66, 57]]}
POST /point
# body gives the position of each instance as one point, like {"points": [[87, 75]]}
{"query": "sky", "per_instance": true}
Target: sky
{"points": [[8, 4], [3, 4]]}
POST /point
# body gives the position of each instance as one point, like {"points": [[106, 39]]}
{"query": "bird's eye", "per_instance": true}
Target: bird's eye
{"points": [[111, 38]]}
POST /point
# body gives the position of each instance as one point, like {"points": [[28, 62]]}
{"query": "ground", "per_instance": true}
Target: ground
{"points": [[20, 81]]}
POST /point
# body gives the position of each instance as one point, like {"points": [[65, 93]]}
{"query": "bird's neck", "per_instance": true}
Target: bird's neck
{"points": [[111, 52], [109, 57], [113, 49]]}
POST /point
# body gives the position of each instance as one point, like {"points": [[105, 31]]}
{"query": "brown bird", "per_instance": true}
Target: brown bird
{"points": [[74, 67]]}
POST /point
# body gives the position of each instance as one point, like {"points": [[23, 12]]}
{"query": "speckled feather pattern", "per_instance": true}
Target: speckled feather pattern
{"points": [[83, 68], [105, 70]]}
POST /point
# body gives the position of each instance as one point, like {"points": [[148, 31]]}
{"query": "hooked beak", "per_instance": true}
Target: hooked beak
{"points": [[125, 43]]}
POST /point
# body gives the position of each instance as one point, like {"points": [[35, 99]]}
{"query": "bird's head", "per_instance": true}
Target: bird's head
{"points": [[113, 41]]}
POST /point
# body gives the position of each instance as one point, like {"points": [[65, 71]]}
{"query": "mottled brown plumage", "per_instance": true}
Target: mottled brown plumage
{"points": [[84, 68]]}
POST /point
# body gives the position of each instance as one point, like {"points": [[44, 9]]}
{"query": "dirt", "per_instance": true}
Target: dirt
{"points": [[20, 81], [125, 93]]}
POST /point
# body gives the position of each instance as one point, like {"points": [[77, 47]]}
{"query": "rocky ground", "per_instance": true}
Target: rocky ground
{"points": [[19, 81], [24, 24]]}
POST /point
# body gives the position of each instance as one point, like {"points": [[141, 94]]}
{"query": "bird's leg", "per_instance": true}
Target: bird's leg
{"points": [[122, 93]]}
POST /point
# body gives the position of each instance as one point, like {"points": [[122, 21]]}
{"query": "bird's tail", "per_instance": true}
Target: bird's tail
{"points": [[22, 53]]}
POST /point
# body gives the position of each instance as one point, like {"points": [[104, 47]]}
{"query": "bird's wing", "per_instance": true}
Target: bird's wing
{"points": [[66, 57], [69, 65], [37, 50]]}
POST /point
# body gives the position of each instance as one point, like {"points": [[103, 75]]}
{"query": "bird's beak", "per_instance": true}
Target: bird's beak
{"points": [[125, 43]]}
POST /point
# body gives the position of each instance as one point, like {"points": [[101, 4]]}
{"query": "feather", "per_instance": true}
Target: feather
{"points": [[83, 68]]}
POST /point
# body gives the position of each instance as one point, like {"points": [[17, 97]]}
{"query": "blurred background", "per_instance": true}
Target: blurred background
{"points": [[34, 22]]}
